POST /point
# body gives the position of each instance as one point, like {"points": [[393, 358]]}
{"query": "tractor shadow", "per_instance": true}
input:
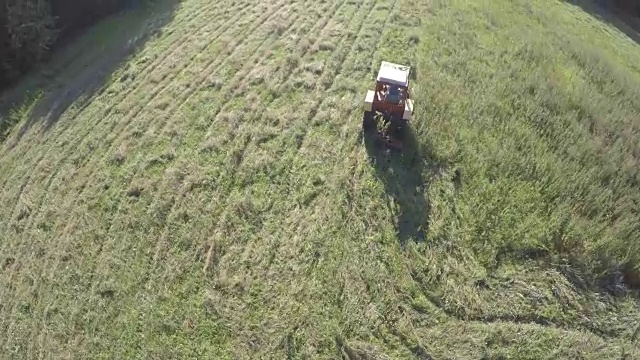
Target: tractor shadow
{"points": [[81, 66], [402, 173]]}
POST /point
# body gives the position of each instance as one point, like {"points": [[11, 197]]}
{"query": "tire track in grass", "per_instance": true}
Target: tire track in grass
{"points": [[189, 16], [65, 230], [342, 44], [51, 179], [338, 71], [187, 94], [257, 60], [168, 51], [157, 62], [181, 44], [42, 196], [323, 27], [212, 63], [290, 73], [257, 54], [160, 86], [357, 159], [342, 58], [229, 97], [240, 91], [320, 38], [274, 247], [205, 71], [175, 203], [383, 30], [90, 130], [380, 35], [166, 84], [58, 167], [163, 86], [248, 66], [353, 158], [317, 41]]}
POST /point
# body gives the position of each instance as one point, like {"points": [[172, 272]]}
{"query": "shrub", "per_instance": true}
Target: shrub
{"points": [[25, 37]]}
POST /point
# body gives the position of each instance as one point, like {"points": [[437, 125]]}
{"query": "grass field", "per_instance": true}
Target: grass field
{"points": [[212, 195]]}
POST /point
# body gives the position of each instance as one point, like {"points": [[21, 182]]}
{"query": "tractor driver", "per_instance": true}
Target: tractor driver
{"points": [[393, 94], [382, 95]]}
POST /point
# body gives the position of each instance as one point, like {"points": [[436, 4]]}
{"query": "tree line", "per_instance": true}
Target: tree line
{"points": [[31, 29], [630, 6]]}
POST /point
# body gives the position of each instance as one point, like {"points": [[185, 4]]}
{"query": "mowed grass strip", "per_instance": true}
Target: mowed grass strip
{"points": [[78, 143], [133, 115], [175, 41], [152, 136], [218, 199]]}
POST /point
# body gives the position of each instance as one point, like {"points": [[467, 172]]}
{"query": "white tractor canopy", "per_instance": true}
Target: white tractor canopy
{"points": [[394, 74]]}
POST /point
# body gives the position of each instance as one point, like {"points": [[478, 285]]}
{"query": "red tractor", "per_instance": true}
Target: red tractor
{"points": [[389, 102]]}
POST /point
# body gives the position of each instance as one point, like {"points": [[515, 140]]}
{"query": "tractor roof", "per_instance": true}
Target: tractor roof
{"points": [[394, 74]]}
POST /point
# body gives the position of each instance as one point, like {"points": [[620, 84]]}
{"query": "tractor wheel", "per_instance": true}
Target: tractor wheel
{"points": [[369, 121]]}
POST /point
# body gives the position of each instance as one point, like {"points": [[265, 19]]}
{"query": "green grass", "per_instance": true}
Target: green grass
{"points": [[216, 198]]}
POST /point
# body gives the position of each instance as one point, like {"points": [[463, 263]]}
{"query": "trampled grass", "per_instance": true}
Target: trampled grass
{"points": [[216, 198]]}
